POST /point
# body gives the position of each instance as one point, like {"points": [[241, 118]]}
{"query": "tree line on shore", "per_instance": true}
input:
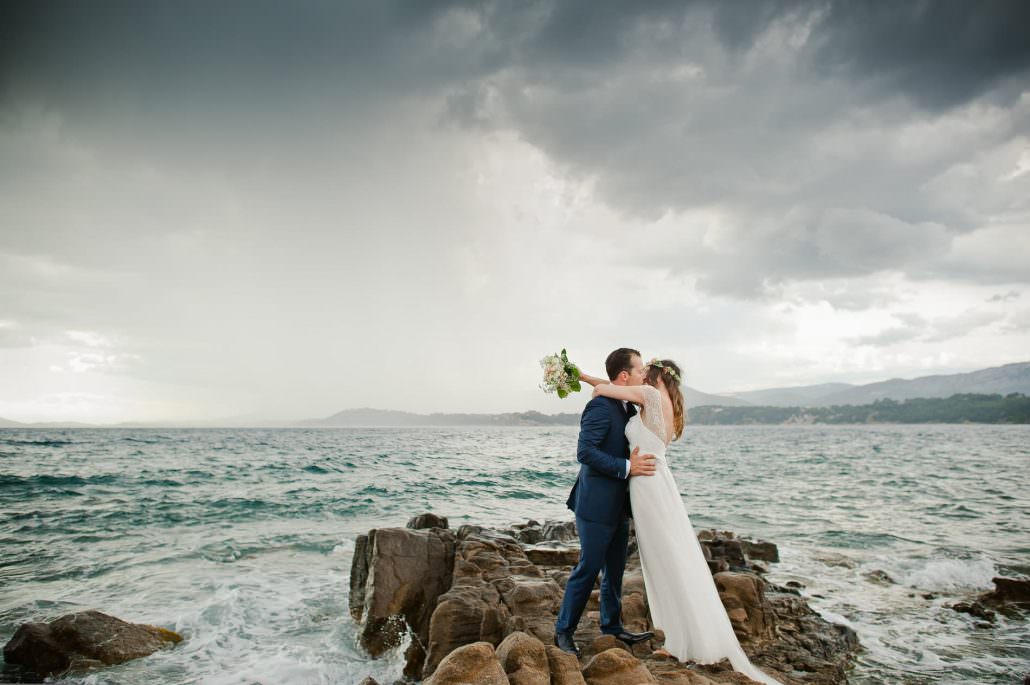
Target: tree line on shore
{"points": [[959, 408]]}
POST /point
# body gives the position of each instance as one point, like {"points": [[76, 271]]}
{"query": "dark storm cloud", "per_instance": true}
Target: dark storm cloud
{"points": [[239, 53], [788, 117], [941, 54]]}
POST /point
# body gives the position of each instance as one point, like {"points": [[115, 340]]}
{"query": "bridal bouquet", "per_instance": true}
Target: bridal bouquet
{"points": [[560, 375]]}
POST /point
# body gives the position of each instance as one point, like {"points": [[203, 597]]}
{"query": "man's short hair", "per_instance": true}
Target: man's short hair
{"points": [[618, 361]]}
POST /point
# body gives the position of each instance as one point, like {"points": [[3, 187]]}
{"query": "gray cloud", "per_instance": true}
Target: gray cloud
{"points": [[935, 330], [888, 336], [813, 245], [794, 112], [947, 328]]}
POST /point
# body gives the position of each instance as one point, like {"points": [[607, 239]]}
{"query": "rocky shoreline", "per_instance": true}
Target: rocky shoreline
{"points": [[479, 605]]}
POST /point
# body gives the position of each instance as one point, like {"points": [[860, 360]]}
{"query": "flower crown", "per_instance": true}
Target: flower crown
{"points": [[668, 369]]}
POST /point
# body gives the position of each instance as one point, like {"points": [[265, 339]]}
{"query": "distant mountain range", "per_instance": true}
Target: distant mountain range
{"points": [[695, 398], [798, 396], [6, 423], [1002, 380]]}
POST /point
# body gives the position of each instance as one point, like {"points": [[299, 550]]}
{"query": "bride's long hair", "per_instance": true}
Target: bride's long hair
{"points": [[670, 373]]}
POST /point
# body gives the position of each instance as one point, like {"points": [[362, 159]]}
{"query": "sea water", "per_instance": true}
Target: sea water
{"points": [[241, 539]]}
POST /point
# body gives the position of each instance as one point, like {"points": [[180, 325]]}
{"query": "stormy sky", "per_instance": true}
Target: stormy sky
{"points": [[283, 210]]}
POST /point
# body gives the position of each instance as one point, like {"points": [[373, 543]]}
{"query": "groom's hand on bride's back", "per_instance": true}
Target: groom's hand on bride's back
{"points": [[641, 464]]}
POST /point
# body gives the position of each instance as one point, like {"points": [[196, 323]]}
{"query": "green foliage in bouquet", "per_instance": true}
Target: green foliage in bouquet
{"points": [[560, 375], [573, 373]]}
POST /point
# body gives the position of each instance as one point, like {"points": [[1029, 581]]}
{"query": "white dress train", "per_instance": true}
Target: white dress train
{"points": [[682, 595]]}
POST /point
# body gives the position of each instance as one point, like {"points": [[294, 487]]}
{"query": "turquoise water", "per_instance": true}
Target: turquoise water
{"points": [[242, 539]]}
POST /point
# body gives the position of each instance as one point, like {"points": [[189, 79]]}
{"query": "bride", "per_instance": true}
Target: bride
{"points": [[680, 590]]}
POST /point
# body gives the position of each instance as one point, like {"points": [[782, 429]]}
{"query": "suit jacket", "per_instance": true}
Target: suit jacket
{"points": [[601, 493]]}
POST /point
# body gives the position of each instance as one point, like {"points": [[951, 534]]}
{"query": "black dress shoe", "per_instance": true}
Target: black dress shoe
{"points": [[565, 643], [633, 638]]}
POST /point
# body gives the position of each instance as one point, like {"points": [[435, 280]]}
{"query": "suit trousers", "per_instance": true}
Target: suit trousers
{"points": [[602, 549]]}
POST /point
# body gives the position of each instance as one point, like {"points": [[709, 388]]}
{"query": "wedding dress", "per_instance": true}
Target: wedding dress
{"points": [[680, 590]]}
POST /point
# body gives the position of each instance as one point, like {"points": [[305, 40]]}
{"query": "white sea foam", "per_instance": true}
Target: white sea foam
{"points": [[951, 574], [344, 547]]}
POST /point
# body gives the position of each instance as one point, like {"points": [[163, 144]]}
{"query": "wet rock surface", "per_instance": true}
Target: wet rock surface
{"points": [[975, 609], [1010, 597], [1014, 590], [397, 578], [81, 641], [492, 618]]}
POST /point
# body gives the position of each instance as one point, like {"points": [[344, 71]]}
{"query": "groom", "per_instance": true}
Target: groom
{"points": [[600, 499]]}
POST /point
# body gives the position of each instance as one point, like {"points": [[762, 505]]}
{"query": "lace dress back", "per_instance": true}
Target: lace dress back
{"points": [[652, 415]]}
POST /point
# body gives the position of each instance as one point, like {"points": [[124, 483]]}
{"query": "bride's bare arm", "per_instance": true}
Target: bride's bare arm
{"points": [[592, 380], [628, 393]]}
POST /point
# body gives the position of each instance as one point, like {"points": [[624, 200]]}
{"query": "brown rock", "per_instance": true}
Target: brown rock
{"points": [[475, 663], [427, 520], [564, 667], [528, 533], [496, 590], [672, 672], [369, 680], [549, 555], [83, 640], [804, 642], [616, 667], [974, 609], [761, 550], [405, 571], [635, 616], [1011, 590], [603, 643], [728, 549], [560, 531], [524, 660], [533, 603], [744, 598]]}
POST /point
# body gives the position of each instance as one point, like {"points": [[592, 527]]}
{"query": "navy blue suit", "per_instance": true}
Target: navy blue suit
{"points": [[600, 499]]}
